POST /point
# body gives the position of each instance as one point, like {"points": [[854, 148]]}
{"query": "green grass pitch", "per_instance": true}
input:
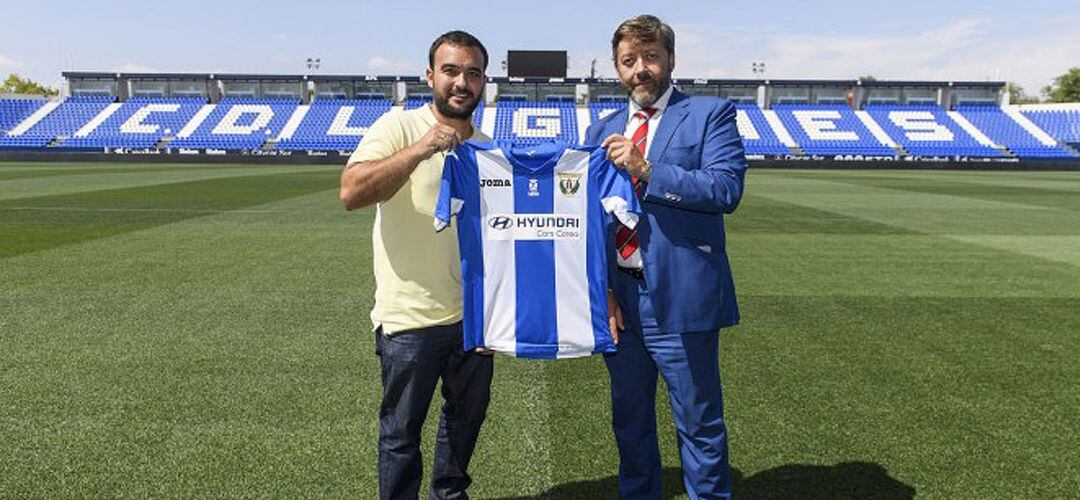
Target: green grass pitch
{"points": [[201, 331]]}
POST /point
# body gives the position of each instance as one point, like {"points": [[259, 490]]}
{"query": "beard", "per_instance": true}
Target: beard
{"points": [[442, 103], [649, 88]]}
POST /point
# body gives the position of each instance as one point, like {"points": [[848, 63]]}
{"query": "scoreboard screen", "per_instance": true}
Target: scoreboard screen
{"points": [[541, 63]]}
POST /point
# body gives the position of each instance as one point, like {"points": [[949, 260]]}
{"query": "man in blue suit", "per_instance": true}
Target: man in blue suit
{"points": [[671, 283]]}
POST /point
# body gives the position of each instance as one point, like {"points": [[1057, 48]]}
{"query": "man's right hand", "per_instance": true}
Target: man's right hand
{"points": [[365, 183], [441, 137], [615, 317]]}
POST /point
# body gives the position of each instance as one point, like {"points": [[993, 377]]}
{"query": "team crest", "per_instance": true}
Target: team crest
{"points": [[569, 184]]}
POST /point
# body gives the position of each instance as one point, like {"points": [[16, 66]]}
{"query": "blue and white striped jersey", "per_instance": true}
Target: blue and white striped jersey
{"points": [[532, 226]]}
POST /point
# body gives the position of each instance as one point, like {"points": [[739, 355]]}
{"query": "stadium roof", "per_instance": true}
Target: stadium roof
{"points": [[532, 80], [924, 83]]}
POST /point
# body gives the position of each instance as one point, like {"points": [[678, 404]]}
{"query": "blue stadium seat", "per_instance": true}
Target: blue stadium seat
{"points": [[752, 122], [65, 120], [14, 111], [417, 100], [922, 129], [601, 107], [529, 123], [140, 122], [240, 123], [335, 124], [1061, 124], [1003, 130], [829, 129], [926, 130], [758, 137], [92, 95]]}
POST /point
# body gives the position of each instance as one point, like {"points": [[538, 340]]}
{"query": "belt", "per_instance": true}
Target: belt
{"points": [[636, 273]]}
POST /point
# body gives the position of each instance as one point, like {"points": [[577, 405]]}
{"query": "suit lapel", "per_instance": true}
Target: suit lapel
{"points": [[669, 122], [617, 123]]}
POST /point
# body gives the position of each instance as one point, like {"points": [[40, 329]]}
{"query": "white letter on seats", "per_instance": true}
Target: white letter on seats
{"points": [[921, 126], [548, 122], [340, 126], [228, 124], [820, 125], [135, 125], [746, 126]]}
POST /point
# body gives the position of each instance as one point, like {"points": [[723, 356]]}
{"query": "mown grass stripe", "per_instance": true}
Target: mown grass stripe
{"points": [[765, 214], [132, 209], [6, 175], [1030, 196]]}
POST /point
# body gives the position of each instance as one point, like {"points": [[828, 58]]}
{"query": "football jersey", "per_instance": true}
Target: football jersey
{"points": [[532, 228]]}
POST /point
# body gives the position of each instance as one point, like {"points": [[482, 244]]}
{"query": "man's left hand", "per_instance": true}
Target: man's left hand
{"points": [[622, 152], [615, 317]]}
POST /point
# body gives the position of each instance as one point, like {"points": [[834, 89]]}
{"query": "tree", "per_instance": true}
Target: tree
{"points": [[867, 78], [1066, 88], [16, 84], [1017, 95]]}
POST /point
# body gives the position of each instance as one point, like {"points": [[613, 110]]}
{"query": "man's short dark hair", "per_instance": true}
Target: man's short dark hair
{"points": [[644, 29], [460, 39]]}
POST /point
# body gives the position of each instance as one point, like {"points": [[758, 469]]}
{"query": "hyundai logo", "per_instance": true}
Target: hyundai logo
{"points": [[499, 222]]}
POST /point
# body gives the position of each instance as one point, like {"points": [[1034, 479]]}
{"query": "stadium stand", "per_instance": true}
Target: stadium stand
{"points": [[600, 108], [1061, 123], [1003, 130], [239, 123], [335, 124], [94, 122], [926, 130], [62, 122], [14, 111], [92, 95], [829, 129], [415, 101], [528, 122], [138, 123], [759, 138]]}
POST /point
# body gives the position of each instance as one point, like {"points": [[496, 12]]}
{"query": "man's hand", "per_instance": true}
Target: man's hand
{"points": [[364, 183], [441, 137], [622, 152], [615, 318]]}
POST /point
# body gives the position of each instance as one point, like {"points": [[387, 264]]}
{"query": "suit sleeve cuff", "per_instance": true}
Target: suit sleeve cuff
{"points": [[660, 180]]}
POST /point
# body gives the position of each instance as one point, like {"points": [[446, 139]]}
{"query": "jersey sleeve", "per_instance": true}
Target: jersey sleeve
{"points": [[616, 190], [449, 202]]}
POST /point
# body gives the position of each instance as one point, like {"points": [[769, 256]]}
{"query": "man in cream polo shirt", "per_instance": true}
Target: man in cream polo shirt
{"points": [[417, 313]]}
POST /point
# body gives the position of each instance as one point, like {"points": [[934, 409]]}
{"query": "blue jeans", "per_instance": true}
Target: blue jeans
{"points": [[412, 362]]}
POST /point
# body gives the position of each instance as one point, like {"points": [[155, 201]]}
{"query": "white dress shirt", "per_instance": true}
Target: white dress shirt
{"points": [[633, 123]]}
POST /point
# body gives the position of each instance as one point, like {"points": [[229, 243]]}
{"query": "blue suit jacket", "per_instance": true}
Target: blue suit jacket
{"points": [[697, 174]]}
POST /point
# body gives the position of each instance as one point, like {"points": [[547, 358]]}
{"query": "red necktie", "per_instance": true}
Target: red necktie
{"points": [[626, 240]]}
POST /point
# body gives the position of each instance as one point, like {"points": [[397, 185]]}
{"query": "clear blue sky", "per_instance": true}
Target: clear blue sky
{"points": [[1029, 42]]}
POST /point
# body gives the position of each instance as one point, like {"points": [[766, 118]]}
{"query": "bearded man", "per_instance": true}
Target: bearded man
{"points": [[418, 302]]}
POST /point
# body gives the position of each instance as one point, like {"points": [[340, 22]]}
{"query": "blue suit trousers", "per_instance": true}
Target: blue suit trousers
{"points": [[690, 365]]}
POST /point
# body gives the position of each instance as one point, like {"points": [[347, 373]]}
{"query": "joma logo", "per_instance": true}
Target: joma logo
{"points": [[498, 183]]}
